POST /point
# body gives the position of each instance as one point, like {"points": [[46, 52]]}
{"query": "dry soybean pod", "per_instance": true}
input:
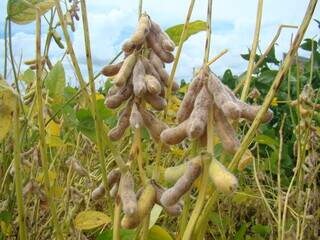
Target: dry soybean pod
{"points": [[176, 134], [153, 43], [199, 116], [154, 126], [112, 69], [98, 192], [142, 30], [113, 177], [119, 97], [127, 194], [225, 131], [157, 102], [136, 120], [148, 66], [123, 123], [184, 183], [139, 85], [153, 84], [250, 112], [175, 209], [145, 204], [125, 71], [172, 174], [224, 180]]}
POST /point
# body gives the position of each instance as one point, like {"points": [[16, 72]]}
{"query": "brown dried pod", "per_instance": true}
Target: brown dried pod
{"points": [[145, 203], [175, 209], [113, 176], [125, 71], [152, 41], [76, 166], [98, 192], [111, 69], [123, 123], [159, 67], [113, 90], [31, 187], [114, 190], [136, 120], [128, 47], [142, 30], [157, 102], [225, 131], [166, 43], [139, 85], [223, 98], [198, 119], [172, 195], [187, 103], [123, 94], [176, 134], [250, 112], [153, 124], [153, 84], [127, 194], [148, 66]]}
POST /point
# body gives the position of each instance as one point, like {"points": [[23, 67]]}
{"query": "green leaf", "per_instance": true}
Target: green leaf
{"points": [[125, 234], [28, 76], [55, 82], [158, 233], [86, 124], [5, 216], [22, 13], [262, 230], [175, 32], [307, 45], [240, 234], [264, 139]]}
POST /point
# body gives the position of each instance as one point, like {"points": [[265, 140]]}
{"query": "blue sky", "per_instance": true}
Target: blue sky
{"points": [[111, 22]]}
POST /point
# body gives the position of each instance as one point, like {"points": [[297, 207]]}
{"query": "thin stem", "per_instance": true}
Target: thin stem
{"points": [[210, 145], [18, 176], [217, 57], [5, 68], [43, 147], [265, 54], [247, 81], [178, 53], [71, 51], [116, 220]]}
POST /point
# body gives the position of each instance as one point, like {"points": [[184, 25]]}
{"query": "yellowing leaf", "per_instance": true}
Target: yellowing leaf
{"points": [[8, 101], [53, 128], [87, 220], [52, 177], [158, 233], [154, 215], [54, 141], [193, 28], [99, 96], [21, 13]]}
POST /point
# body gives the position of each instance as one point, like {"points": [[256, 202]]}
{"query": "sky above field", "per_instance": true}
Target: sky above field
{"points": [[111, 22]]}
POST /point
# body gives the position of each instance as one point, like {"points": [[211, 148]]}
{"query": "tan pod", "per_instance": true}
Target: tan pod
{"points": [[157, 102], [224, 180], [113, 177], [142, 30], [175, 209], [112, 69], [245, 160], [136, 120], [172, 195], [125, 71], [145, 204], [98, 192], [172, 174], [150, 69], [225, 131], [199, 116], [250, 112], [153, 84], [118, 98], [175, 135], [153, 43], [153, 124], [187, 103], [127, 194], [123, 123], [139, 85]]}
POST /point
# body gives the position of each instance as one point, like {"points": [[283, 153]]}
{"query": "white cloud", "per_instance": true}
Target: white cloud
{"points": [[233, 27]]}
